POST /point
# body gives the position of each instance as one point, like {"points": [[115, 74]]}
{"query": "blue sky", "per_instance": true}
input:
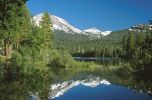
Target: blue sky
{"points": [[102, 14]]}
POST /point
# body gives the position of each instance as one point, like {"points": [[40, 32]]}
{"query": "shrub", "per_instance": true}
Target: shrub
{"points": [[16, 59], [124, 71], [61, 59]]}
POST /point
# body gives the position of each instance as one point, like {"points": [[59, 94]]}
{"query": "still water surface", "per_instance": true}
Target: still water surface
{"points": [[94, 85], [93, 88], [82, 83], [102, 92]]}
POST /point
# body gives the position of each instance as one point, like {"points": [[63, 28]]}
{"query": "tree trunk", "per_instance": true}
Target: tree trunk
{"points": [[17, 44], [8, 49]]}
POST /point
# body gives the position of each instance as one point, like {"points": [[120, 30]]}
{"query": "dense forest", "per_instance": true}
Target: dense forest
{"points": [[80, 45]]}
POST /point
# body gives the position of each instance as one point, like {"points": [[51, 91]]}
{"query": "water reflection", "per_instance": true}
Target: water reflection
{"points": [[99, 60], [81, 83], [94, 89], [60, 88]]}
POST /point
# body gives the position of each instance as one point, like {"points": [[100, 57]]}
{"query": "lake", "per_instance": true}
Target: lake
{"points": [[91, 87], [94, 89], [81, 83], [99, 60]]}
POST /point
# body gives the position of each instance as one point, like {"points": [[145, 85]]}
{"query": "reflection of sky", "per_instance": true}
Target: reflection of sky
{"points": [[92, 89], [102, 92], [61, 88]]}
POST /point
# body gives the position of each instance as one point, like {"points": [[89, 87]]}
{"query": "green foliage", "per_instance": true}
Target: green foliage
{"points": [[130, 46], [61, 59], [14, 23], [144, 62], [45, 26], [2, 71], [138, 53], [82, 45], [124, 71], [16, 59]]}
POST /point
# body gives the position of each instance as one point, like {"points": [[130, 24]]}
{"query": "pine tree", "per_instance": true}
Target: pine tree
{"points": [[47, 35], [9, 22], [130, 47], [24, 26], [46, 27]]}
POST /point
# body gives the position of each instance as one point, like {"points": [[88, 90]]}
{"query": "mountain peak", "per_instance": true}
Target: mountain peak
{"points": [[62, 25], [97, 31], [58, 23], [92, 30]]}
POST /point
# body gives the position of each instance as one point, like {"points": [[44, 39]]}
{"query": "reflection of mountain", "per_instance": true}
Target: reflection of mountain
{"points": [[60, 88]]}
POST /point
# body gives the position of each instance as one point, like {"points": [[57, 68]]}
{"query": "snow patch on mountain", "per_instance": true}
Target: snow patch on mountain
{"points": [[105, 33], [97, 32], [92, 30]]}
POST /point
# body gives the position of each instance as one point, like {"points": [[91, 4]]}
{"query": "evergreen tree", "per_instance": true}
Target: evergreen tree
{"points": [[9, 23], [130, 47], [46, 27], [47, 34], [25, 26]]}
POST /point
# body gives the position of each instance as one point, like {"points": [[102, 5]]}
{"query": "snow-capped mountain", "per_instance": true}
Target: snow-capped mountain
{"points": [[63, 25], [58, 24], [96, 32]]}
